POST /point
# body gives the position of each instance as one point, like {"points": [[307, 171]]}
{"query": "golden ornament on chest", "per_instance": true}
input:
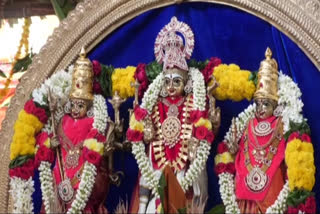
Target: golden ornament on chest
{"points": [[72, 158]]}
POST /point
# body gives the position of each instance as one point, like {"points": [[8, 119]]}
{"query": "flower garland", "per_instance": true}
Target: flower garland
{"points": [[151, 95], [100, 112], [46, 181], [122, 80], [21, 192], [87, 181], [203, 131], [289, 98]]}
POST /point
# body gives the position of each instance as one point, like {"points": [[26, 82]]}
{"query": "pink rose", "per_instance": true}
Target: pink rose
{"points": [[40, 113], [292, 210], [310, 205], [44, 154], [220, 168], [210, 137], [134, 136], [92, 156], [140, 113], [230, 168], [96, 68], [208, 70], [201, 132], [222, 147], [97, 87], [293, 136], [196, 115], [306, 138]]}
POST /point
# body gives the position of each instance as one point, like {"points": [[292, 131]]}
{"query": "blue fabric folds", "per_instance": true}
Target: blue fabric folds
{"points": [[222, 31]]}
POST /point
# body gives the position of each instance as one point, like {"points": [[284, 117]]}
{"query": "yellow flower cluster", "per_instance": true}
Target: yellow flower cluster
{"points": [[135, 125], [121, 81], [23, 141], [225, 158], [203, 122], [300, 161], [94, 145], [234, 83]]}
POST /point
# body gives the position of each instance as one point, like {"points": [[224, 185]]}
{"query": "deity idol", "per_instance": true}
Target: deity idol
{"points": [[80, 172], [171, 132], [259, 164]]}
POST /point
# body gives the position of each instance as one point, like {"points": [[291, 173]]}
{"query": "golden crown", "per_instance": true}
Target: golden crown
{"points": [[267, 86], [82, 78]]}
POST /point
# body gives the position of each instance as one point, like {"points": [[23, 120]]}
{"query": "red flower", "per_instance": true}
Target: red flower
{"points": [[41, 138], [201, 132], [210, 137], [310, 205], [40, 113], [292, 210], [230, 168], [134, 136], [96, 67], [140, 113], [306, 138], [97, 87], [44, 154], [92, 156], [141, 75], [293, 136], [301, 207], [25, 171], [196, 115], [208, 70], [220, 168], [222, 147]]}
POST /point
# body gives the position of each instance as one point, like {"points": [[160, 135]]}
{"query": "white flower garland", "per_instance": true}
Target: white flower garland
{"points": [[289, 98], [46, 181], [199, 89], [87, 181], [100, 112], [151, 95], [197, 165], [21, 192], [138, 149]]}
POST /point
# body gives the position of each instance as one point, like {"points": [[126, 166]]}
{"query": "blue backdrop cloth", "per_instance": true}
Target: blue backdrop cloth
{"points": [[222, 31]]}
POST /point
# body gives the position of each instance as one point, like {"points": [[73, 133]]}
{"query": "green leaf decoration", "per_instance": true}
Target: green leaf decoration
{"points": [[153, 69], [182, 210], [219, 209], [161, 188], [198, 64], [2, 74], [19, 161], [254, 77], [302, 128], [298, 196], [105, 80], [23, 64], [63, 7]]}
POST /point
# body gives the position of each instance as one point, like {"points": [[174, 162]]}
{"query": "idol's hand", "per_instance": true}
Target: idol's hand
{"points": [[54, 141]]}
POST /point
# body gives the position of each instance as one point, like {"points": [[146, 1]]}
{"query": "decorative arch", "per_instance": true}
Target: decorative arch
{"points": [[93, 20]]}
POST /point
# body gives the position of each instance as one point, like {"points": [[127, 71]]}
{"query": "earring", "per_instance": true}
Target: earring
{"points": [[188, 87], [90, 112], [163, 92]]}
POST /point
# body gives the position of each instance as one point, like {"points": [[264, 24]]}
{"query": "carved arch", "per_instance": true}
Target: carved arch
{"points": [[95, 19]]}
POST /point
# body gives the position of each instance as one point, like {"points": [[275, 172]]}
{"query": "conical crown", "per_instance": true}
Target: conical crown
{"points": [[82, 78], [267, 86]]}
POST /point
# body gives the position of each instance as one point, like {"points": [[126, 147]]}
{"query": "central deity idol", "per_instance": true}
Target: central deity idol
{"points": [[171, 131]]}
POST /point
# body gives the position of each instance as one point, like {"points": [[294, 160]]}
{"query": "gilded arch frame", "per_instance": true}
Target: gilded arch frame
{"points": [[94, 19]]}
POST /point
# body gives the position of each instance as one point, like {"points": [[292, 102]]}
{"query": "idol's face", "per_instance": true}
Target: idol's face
{"points": [[174, 85], [264, 108], [79, 108]]}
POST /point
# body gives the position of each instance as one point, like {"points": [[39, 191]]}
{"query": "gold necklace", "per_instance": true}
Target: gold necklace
{"points": [[257, 179], [186, 133]]}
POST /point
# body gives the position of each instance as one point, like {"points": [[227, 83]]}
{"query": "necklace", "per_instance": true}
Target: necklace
{"points": [[257, 179], [186, 134], [73, 151], [171, 126], [259, 151], [263, 128]]}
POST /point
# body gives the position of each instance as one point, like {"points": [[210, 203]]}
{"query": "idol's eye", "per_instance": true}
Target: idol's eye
{"points": [[176, 81], [80, 106], [167, 81]]}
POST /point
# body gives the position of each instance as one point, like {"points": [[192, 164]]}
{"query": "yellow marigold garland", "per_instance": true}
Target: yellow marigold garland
{"points": [[25, 129], [234, 83], [300, 161], [121, 81], [94, 145], [203, 122], [225, 158]]}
